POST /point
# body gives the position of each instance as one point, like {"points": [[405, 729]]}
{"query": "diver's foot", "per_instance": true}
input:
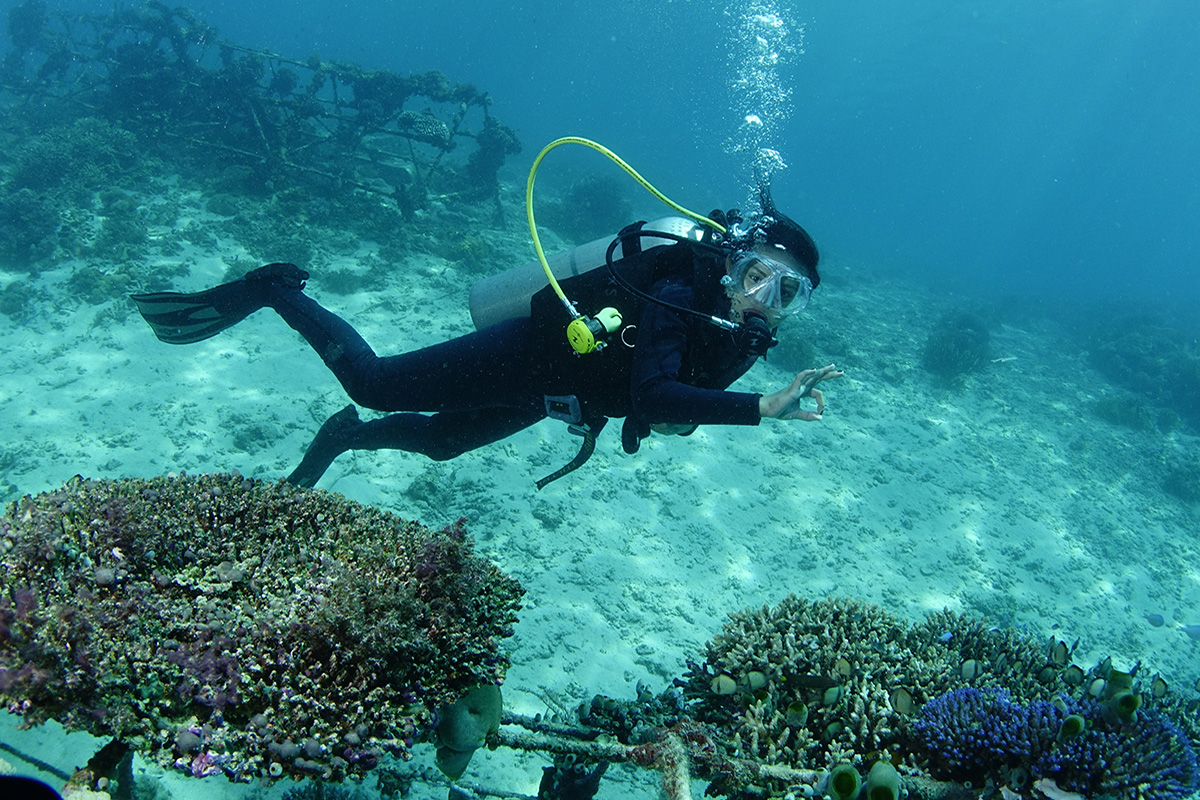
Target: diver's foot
{"points": [[279, 275], [331, 441]]}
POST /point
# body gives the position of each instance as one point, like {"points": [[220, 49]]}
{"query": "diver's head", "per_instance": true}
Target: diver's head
{"points": [[772, 266], [782, 231], [767, 280]]}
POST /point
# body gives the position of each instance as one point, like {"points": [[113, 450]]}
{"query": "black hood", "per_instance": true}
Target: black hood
{"points": [[780, 229]]}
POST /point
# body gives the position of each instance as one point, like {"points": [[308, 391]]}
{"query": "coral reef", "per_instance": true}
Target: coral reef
{"points": [[810, 685], [495, 141], [1158, 363], [57, 182], [1126, 411], [976, 736], [591, 207], [75, 158], [958, 344], [15, 298], [225, 625], [814, 683], [30, 226], [1183, 478], [123, 123]]}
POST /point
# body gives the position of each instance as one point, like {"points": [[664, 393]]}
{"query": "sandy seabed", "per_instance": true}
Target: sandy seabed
{"points": [[1001, 495]]}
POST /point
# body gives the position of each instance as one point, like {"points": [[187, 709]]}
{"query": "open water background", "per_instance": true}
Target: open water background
{"points": [[1039, 150]]}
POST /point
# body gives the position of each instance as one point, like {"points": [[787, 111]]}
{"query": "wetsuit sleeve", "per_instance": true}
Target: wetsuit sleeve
{"points": [[658, 392]]}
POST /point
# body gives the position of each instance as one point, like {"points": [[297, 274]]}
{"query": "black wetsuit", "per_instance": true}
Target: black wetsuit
{"points": [[487, 385]]}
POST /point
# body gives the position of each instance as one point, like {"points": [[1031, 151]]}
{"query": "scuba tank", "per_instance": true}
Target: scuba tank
{"points": [[507, 295]]}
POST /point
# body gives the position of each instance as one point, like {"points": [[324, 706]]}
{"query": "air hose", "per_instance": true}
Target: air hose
{"points": [[586, 334]]}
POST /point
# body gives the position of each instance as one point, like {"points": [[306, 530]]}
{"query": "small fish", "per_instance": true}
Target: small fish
{"points": [[1155, 619], [1193, 631], [946, 637]]}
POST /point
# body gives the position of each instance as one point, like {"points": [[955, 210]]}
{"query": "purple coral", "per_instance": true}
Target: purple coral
{"points": [[967, 734], [1150, 758], [973, 735]]}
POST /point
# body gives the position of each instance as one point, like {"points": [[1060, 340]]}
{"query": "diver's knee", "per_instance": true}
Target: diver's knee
{"points": [[443, 452], [361, 396], [356, 377]]}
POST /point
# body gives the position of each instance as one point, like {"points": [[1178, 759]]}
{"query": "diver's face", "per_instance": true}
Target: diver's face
{"points": [[744, 298]]}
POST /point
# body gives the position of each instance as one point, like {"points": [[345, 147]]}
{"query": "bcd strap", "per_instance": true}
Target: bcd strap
{"points": [[589, 431], [631, 243]]}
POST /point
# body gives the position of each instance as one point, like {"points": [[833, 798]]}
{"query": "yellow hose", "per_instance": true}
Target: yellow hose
{"points": [[633, 173]]}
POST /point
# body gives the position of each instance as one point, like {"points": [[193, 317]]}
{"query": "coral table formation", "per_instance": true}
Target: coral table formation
{"points": [[224, 625]]}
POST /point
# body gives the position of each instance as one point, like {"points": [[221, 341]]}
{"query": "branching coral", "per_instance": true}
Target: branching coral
{"points": [[226, 625], [977, 736], [814, 683]]}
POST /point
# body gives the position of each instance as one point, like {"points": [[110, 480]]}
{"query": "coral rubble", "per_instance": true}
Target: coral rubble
{"points": [[226, 625]]}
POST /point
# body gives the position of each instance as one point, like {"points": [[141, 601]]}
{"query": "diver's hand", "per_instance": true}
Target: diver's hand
{"points": [[785, 404]]}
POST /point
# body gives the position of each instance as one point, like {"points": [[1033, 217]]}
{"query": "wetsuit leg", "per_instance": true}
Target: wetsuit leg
{"points": [[484, 369], [440, 436]]}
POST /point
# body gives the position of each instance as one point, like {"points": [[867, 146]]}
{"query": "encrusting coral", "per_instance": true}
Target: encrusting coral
{"points": [[225, 625]]}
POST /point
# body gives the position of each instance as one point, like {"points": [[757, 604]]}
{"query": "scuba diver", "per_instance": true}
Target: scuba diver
{"points": [[697, 307]]}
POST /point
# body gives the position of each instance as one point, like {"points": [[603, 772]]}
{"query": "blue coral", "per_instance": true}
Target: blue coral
{"points": [[967, 734], [973, 735], [1149, 758]]}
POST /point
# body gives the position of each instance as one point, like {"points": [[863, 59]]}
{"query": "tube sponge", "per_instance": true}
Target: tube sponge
{"points": [[1122, 707], [1072, 725], [463, 727], [883, 782], [844, 782]]}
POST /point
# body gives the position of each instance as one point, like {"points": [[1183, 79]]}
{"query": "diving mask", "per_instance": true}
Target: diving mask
{"points": [[769, 282]]}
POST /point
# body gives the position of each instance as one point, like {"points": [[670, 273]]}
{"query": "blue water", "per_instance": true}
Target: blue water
{"points": [[1043, 150]]}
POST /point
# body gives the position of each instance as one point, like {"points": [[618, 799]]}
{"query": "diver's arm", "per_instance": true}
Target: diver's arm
{"points": [[659, 395], [669, 401]]}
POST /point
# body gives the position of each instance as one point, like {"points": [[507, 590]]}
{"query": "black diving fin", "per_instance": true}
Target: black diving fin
{"points": [[179, 318]]}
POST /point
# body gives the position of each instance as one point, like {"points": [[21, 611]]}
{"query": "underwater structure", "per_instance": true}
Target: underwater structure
{"points": [[163, 75]]}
